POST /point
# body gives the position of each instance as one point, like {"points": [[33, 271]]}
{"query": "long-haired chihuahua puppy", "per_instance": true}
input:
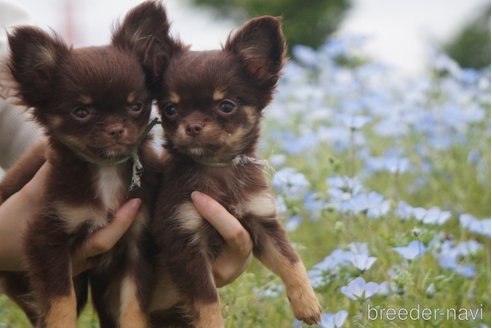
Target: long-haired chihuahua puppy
{"points": [[211, 107], [94, 105]]}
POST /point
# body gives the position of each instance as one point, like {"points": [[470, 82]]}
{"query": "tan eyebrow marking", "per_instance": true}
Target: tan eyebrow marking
{"points": [[85, 99], [219, 94], [173, 96], [131, 97]]}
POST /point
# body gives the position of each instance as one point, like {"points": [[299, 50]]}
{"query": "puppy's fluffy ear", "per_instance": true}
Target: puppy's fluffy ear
{"points": [[260, 45], [34, 56], [145, 32]]}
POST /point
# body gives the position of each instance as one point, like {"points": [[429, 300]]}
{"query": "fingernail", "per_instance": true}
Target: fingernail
{"points": [[197, 197], [135, 203]]}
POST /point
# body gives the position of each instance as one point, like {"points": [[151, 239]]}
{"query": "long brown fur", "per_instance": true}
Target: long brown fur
{"points": [[211, 109], [94, 105]]}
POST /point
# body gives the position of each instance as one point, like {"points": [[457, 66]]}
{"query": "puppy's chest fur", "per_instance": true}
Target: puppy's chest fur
{"points": [[106, 189], [242, 190]]}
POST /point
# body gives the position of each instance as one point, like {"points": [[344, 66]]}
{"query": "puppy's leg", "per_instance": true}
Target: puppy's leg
{"points": [[191, 271], [274, 250], [121, 281], [23, 170], [17, 288], [131, 313], [50, 272]]}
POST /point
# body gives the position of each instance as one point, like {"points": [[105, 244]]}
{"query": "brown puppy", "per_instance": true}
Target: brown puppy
{"points": [[94, 105], [211, 109]]}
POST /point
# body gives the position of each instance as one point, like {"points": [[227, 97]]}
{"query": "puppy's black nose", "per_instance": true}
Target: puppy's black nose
{"points": [[194, 129], [115, 130]]}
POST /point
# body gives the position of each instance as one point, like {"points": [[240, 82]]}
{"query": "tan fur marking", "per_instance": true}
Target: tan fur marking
{"points": [[131, 314], [55, 122], [75, 216], [62, 312], [251, 113], [303, 300], [131, 97], [262, 205], [85, 99], [208, 315], [219, 94], [188, 217], [236, 140], [174, 97], [165, 293]]}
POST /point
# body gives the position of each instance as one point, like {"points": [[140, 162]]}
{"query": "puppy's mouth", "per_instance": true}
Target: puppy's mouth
{"points": [[199, 151], [116, 151], [206, 150]]}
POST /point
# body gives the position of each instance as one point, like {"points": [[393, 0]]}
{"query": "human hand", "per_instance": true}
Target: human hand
{"points": [[236, 255], [105, 238], [19, 209]]}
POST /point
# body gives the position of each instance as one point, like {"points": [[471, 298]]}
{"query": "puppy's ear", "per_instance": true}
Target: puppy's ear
{"points": [[34, 56], [145, 32], [260, 45]]}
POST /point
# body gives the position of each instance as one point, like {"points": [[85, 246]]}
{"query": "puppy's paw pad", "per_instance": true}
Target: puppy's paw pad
{"points": [[305, 306]]}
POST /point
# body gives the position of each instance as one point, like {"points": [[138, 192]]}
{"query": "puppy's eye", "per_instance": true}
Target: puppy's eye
{"points": [[81, 113], [227, 107], [170, 110], [135, 108]]}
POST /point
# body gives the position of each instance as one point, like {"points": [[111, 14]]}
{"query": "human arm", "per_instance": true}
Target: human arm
{"points": [[17, 211]]}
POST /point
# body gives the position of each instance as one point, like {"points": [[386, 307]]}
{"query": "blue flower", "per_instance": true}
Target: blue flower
{"points": [[373, 204], [454, 256], [295, 145], [404, 211], [293, 222], [362, 262], [346, 184], [390, 163], [291, 183], [471, 223], [358, 289], [330, 320], [433, 215], [314, 205], [412, 251]]}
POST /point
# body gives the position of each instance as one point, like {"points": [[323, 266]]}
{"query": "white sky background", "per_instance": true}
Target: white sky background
{"points": [[400, 30]]}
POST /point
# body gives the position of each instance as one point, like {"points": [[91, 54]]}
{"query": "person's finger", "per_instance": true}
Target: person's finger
{"points": [[228, 266], [226, 224], [104, 239]]}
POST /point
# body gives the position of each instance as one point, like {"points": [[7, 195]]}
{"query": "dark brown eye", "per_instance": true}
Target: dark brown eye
{"points": [[81, 113], [136, 108], [170, 110], [227, 107]]}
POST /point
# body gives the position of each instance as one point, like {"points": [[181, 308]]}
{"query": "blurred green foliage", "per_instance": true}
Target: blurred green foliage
{"points": [[305, 22], [471, 47]]}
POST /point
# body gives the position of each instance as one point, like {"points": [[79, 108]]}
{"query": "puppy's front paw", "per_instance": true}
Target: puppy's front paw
{"points": [[305, 305]]}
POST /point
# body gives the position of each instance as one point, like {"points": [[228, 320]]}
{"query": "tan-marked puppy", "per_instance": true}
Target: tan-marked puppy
{"points": [[211, 107], [94, 105]]}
